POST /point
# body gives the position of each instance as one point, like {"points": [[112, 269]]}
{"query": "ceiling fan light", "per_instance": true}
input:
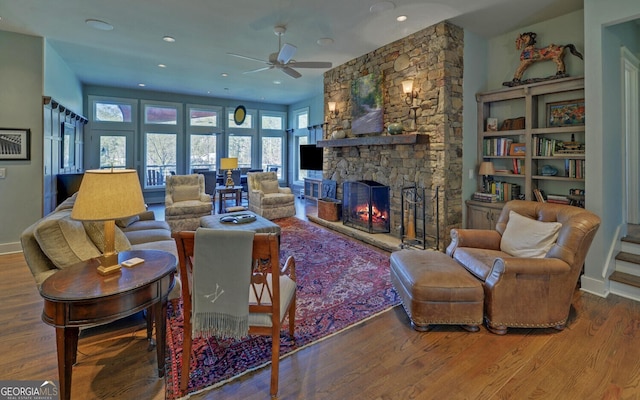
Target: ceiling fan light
{"points": [[99, 25], [325, 41], [382, 6]]}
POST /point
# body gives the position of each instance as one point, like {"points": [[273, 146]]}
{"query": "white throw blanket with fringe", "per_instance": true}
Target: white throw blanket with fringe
{"points": [[221, 280]]}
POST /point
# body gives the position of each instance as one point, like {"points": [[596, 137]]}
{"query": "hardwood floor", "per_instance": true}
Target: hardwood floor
{"points": [[595, 357]]}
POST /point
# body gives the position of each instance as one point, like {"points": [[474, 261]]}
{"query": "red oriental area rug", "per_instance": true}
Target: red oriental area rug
{"points": [[341, 283]]}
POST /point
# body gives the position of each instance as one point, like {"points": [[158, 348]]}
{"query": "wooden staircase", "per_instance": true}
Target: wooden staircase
{"points": [[625, 280]]}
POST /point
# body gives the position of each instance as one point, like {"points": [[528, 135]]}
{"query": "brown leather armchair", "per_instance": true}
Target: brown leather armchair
{"points": [[527, 292]]}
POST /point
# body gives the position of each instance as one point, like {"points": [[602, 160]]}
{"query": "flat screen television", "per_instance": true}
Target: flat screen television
{"points": [[310, 157]]}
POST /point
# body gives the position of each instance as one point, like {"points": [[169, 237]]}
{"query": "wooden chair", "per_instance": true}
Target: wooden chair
{"points": [[270, 300]]}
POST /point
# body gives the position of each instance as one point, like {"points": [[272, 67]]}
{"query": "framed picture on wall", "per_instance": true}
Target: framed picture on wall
{"points": [[367, 111], [15, 144]]}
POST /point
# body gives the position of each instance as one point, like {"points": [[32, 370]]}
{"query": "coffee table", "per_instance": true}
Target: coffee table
{"points": [[78, 296], [260, 225]]}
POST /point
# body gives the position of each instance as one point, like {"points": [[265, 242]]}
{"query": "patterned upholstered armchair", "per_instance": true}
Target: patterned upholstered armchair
{"points": [[267, 199], [186, 201]]}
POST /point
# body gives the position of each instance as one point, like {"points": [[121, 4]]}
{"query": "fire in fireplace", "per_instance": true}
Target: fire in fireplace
{"points": [[365, 206]]}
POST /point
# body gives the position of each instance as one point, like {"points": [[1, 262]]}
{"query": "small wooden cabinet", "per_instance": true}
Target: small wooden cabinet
{"points": [[312, 188], [482, 215]]}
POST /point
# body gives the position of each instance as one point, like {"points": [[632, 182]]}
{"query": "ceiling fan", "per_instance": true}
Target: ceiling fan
{"points": [[283, 59]]}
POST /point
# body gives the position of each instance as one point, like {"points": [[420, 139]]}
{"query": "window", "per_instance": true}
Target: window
{"points": [[272, 122], [164, 144], [301, 118], [112, 111], [203, 129], [240, 147], [272, 155], [273, 142], [161, 157], [160, 115], [203, 151], [113, 151], [203, 117]]}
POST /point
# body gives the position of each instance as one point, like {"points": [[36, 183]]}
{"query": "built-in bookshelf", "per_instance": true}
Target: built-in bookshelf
{"points": [[534, 135]]}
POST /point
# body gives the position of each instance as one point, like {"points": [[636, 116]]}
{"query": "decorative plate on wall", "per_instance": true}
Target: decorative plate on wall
{"points": [[239, 115]]}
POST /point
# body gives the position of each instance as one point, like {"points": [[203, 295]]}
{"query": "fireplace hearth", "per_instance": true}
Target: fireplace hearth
{"points": [[365, 206]]}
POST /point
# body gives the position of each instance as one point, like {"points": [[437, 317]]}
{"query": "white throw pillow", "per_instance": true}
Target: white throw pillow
{"points": [[528, 238]]}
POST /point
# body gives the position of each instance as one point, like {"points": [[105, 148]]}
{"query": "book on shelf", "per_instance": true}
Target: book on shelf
{"points": [[505, 191], [485, 197], [539, 196], [558, 199], [496, 146], [574, 168], [518, 166]]}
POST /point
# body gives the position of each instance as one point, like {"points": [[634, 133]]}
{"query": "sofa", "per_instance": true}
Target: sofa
{"points": [[267, 199], [56, 241], [530, 264]]}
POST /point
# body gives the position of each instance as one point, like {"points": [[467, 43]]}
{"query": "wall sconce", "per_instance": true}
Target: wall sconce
{"points": [[333, 112], [407, 89]]}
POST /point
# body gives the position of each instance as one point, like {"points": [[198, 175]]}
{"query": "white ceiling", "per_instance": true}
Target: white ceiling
{"points": [[206, 30]]}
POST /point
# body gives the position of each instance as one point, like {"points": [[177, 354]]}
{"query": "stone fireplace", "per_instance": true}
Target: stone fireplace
{"points": [[428, 154]]}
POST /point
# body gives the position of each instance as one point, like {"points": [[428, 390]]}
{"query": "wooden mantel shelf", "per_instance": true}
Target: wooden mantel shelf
{"points": [[375, 140]]}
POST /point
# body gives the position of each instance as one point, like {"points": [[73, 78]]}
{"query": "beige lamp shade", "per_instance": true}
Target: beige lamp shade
{"points": [[332, 106], [228, 163], [108, 194], [486, 168]]}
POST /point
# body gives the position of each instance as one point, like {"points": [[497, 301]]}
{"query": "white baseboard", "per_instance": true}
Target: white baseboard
{"points": [[7, 248], [629, 292], [594, 286]]}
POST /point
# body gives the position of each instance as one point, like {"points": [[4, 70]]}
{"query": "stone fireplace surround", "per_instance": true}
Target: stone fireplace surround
{"points": [[427, 155]]}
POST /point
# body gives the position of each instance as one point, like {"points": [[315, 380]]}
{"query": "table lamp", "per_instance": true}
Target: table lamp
{"points": [[107, 195], [486, 169], [229, 164]]}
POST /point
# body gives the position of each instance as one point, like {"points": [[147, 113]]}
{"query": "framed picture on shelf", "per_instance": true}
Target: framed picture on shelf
{"points": [[492, 124], [14, 144], [517, 149], [565, 113]]}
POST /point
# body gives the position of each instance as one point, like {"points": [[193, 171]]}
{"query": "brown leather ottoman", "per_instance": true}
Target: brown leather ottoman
{"points": [[436, 290]]}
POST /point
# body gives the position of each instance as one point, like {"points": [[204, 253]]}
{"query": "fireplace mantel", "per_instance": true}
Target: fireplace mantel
{"points": [[375, 140]]}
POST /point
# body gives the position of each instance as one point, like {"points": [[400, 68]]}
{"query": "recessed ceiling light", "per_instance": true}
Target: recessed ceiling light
{"points": [[276, 82], [224, 74], [99, 25], [401, 18], [382, 6], [141, 84], [325, 41], [169, 39], [162, 66]]}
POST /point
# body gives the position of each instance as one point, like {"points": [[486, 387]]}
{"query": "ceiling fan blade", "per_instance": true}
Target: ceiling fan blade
{"points": [[291, 72], [248, 58], [258, 70], [310, 64], [286, 52]]}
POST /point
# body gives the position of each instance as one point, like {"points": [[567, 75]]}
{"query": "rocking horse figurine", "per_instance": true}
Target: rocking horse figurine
{"points": [[531, 54]]}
